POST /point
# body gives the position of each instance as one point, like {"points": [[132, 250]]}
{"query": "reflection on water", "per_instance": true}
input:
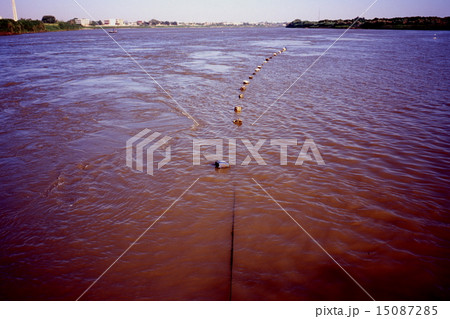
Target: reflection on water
{"points": [[376, 105]]}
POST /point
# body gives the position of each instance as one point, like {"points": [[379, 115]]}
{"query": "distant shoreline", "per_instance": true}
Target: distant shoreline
{"points": [[11, 27], [406, 23]]}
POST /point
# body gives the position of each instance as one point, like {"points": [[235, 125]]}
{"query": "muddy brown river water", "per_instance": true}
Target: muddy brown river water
{"points": [[376, 106]]}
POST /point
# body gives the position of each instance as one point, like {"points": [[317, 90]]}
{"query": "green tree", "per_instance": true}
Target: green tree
{"points": [[154, 22], [48, 19]]}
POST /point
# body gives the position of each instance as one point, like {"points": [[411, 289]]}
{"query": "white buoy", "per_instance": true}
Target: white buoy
{"points": [[241, 96], [238, 109], [246, 82]]}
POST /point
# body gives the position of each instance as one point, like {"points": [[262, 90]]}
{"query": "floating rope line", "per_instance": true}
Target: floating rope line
{"points": [[238, 109], [238, 121]]}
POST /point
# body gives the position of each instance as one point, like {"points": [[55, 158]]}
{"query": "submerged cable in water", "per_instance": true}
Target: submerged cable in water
{"points": [[232, 244]]}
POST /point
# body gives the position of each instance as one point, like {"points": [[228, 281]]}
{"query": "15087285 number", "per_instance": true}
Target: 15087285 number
{"points": [[407, 311]]}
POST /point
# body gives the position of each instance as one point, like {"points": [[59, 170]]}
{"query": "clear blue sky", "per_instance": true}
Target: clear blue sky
{"points": [[224, 10]]}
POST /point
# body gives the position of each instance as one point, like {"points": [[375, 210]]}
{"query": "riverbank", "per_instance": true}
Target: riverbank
{"points": [[11, 27], [409, 23]]}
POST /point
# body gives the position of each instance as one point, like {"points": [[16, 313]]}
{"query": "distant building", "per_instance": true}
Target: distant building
{"points": [[83, 22], [119, 22], [110, 22]]}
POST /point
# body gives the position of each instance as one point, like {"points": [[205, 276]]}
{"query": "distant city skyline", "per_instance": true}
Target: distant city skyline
{"points": [[224, 10]]}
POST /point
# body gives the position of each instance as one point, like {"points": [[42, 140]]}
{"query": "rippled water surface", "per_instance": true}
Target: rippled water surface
{"points": [[376, 106]]}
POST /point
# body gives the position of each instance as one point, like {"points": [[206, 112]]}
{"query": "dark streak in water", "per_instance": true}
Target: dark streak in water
{"points": [[232, 243]]}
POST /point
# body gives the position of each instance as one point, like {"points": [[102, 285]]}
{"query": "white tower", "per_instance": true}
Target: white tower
{"points": [[14, 9]]}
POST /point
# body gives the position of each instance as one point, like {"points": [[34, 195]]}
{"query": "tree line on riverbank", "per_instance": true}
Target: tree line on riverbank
{"points": [[409, 23], [10, 27]]}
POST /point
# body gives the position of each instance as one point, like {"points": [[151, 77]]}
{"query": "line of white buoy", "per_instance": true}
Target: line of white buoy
{"points": [[238, 109]]}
